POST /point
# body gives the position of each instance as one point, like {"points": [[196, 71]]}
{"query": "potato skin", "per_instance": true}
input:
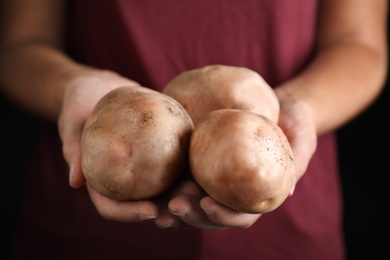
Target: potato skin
{"points": [[242, 159], [213, 87], [135, 144]]}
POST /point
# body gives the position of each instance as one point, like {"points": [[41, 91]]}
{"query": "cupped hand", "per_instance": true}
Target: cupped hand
{"points": [[124, 211], [81, 94], [298, 124], [189, 206]]}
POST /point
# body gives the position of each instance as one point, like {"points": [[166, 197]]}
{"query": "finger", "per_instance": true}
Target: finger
{"points": [[71, 149], [125, 211], [298, 123], [224, 216], [166, 218], [186, 187], [187, 208], [76, 176]]}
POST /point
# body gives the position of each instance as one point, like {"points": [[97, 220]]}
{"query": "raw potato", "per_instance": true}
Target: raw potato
{"points": [[135, 144], [213, 87], [243, 160]]}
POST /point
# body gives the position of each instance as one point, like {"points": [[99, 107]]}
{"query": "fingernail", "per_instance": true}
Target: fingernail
{"points": [[71, 172], [145, 217], [292, 190], [208, 211], [180, 214], [166, 226]]}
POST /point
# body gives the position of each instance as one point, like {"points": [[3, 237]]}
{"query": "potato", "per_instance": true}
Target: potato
{"points": [[213, 87], [243, 160], [135, 144]]}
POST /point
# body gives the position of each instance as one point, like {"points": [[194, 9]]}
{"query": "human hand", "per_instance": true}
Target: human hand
{"points": [[81, 94], [124, 211], [189, 206], [298, 124], [201, 91]]}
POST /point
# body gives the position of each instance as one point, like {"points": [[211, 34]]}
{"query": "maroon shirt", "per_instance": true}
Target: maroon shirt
{"points": [[151, 42]]}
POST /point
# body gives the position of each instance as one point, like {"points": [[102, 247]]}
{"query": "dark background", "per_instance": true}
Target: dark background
{"points": [[364, 164]]}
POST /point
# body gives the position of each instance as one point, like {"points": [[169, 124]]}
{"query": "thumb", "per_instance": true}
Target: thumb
{"points": [[71, 149], [76, 177]]}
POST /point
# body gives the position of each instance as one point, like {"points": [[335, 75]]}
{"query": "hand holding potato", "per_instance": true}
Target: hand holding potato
{"points": [[295, 120], [186, 204], [135, 143], [189, 206], [186, 208], [82, 93], [243, 160], [239, 155]]}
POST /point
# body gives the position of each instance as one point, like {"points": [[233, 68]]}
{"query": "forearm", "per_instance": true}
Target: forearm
{"points": [[33, 71], [34, 75], [340, 82]]}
